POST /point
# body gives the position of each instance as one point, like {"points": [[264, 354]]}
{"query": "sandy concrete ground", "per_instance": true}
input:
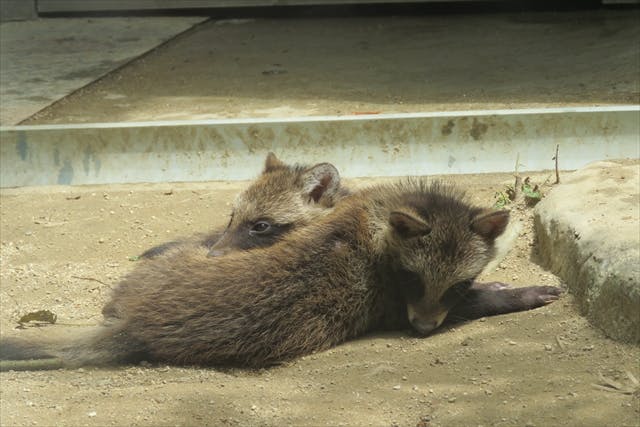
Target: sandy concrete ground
{"points": [[63, 248], [352, 65], [44, 60]]}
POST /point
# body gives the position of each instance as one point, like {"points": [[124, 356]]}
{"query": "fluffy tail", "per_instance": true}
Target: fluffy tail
{"points": [[100, 346]]}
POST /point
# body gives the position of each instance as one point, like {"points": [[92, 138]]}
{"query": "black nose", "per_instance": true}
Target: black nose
{"points": [[424, 327]]}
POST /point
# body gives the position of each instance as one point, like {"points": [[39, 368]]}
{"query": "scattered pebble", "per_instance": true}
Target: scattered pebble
{"points": [[396, 387]]}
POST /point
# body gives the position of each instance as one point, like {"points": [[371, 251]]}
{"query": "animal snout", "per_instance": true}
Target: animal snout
{"points": [[425, 322], [424, 326]]}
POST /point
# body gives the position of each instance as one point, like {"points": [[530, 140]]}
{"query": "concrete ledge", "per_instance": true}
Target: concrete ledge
{"points": [[373, 145], [588, 230]]}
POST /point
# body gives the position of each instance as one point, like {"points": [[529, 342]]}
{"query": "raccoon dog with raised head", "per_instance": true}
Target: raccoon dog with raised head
{"points": [[283, 198]]}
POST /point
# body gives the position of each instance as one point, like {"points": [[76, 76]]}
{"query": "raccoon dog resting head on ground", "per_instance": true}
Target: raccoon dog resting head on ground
{"points": [[437, 245]]}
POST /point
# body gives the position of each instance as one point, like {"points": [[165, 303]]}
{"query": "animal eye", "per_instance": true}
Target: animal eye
{"points": [[260, 227]]}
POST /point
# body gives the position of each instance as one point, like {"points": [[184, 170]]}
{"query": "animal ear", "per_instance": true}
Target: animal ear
{"points": [[490, 225], [321, 180], [272, 163], [408, 225]]}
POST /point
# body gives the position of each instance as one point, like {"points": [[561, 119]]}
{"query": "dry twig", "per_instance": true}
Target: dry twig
{"points": [[607, 384], [90, 278], [556, 159]]}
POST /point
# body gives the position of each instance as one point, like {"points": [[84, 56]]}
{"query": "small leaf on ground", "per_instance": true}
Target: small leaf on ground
{"points": [[37, 318]]}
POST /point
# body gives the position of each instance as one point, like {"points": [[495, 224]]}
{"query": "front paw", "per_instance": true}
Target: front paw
{"points": [[537, 296]]}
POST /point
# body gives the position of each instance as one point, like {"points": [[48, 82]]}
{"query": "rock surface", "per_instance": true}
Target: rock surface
{"points": [[588, 228]]}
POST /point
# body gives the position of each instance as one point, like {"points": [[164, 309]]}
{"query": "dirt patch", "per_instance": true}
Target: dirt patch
{"points": [[63, 248]]}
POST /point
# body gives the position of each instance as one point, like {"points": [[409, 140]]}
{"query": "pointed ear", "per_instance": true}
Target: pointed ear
{"points": [[321, 180], [490, 225], [272, 162], [408, 225]]}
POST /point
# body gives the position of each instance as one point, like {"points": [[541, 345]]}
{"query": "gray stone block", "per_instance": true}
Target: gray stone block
{"points": [[588, 230]]}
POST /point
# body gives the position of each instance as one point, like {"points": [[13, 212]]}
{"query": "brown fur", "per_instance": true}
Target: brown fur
{"points": [[287, 197], [319, 286]]}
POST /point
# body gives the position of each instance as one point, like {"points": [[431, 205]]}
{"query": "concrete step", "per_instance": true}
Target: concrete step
{"points": [[361, 146], [588, 230]]}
